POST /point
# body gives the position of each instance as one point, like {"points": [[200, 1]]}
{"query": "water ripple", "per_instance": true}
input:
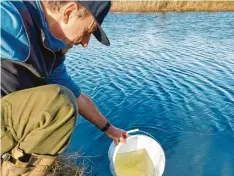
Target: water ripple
{"points": [[169, 74]]}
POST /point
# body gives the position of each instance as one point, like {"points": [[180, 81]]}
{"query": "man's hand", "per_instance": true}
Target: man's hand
{"points": [[118, 135]]}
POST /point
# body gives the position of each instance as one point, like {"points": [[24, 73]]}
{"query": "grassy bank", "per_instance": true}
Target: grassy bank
{"points": [[167, 6]]}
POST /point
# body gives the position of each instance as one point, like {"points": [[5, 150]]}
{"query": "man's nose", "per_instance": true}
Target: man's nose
{"points": [[85, 40]]}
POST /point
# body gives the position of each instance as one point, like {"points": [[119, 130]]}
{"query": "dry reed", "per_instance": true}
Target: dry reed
{"points": [[66, 165], [166, 6]]}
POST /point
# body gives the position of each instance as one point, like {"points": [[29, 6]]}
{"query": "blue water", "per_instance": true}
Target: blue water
{"points": [[169, 74]]}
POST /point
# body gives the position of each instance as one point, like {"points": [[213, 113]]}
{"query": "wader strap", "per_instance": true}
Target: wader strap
{"points": [[20, 163], [13, 167]]}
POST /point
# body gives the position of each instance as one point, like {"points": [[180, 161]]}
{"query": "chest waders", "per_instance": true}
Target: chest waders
{"points": [[36, 126]]}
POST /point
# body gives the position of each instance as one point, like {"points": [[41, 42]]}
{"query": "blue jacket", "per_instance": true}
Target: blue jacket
{"points": [[15, 43]]}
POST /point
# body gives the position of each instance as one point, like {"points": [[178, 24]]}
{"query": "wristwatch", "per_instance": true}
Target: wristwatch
{"points": [[106, 126]]}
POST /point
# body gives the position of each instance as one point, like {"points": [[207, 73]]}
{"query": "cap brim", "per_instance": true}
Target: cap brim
{"points": [[101, 36]]}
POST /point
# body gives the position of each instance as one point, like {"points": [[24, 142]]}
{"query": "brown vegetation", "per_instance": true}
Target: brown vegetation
{"points": [[166, 6], [66, 165]]}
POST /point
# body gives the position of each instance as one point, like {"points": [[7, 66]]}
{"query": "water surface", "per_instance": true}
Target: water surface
{"points": [[169, 74]]}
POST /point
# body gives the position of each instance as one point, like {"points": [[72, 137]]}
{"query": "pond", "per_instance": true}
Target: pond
{"points": [[168, 74]]}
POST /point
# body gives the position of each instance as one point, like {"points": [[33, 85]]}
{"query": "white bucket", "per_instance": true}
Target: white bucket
{"points": [[137, 142]]}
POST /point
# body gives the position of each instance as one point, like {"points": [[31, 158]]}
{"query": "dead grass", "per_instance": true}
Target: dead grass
{"points": [[166, 6], [66, 165]]}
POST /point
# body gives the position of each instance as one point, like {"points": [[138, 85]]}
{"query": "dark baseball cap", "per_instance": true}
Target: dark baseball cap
{"points": [[99, 10]]}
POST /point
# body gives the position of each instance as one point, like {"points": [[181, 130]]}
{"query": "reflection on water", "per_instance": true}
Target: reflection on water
{"points": [[169, 74]]}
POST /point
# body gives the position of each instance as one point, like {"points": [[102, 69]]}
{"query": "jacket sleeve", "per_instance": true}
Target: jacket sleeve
{"points": [[60, 76], [14, 41]]}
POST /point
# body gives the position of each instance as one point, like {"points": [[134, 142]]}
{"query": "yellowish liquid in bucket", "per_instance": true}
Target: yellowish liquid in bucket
{"points": [[135, 163]]}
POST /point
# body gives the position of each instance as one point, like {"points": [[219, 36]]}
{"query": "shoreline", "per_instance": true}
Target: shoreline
{"points": [[172, 6]]}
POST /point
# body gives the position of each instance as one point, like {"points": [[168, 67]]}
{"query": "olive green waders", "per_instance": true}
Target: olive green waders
{"points": [[36, 125]]}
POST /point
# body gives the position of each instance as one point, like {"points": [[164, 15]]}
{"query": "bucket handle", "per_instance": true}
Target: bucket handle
{"points": [[137, 130]]}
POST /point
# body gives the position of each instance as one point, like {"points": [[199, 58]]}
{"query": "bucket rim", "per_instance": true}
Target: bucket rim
{"points": [[116, 147]]}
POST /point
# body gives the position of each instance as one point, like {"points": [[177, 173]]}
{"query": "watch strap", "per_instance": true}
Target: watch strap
{"points": [[106, 126]]}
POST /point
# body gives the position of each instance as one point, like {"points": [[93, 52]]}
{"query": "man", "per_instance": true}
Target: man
{"points": [[40, 102]]}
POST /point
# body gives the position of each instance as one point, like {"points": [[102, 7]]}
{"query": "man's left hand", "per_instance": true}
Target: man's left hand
{"points": [[118, 135]]}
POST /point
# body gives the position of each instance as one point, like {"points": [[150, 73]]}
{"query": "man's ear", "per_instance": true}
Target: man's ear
{"points": [[69, 10]]}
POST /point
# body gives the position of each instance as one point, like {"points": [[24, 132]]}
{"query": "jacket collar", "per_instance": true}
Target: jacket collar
{"points": [[52, 42]]}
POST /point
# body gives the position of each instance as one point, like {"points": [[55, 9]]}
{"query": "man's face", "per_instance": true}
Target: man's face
{"points": [[78, 30], [74, 28]]}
